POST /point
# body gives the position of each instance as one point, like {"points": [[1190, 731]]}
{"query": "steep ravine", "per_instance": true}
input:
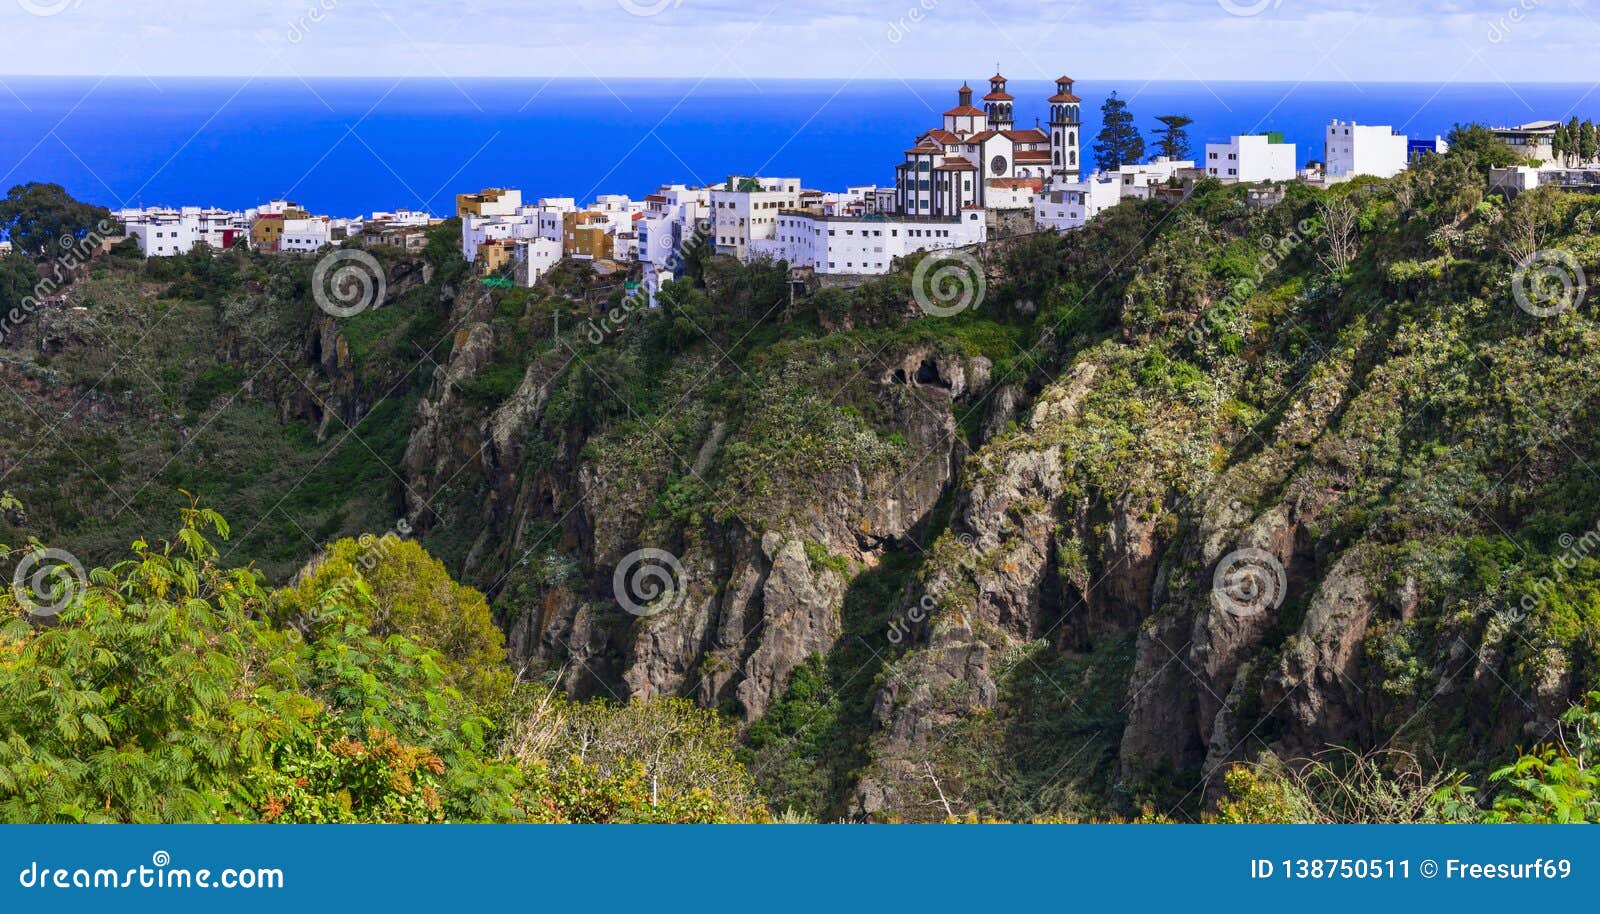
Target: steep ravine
{"points": [[1046, 638]]}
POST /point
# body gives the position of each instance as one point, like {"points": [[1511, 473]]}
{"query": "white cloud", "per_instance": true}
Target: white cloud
{"points": [[1180, 39]]}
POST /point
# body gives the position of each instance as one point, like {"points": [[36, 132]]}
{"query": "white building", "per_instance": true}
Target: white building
{"points": [[402, 217], [1353, 149], [165, 232], [1251, 159], [306, 236], [673, 216], [163, 238], [867, 245], [534, 258], [1535, 140], [1137, 180], [1068, 206], [746, 210]]}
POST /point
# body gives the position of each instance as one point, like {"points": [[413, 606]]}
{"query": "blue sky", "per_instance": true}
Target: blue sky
{"points": [[1322, 40]]}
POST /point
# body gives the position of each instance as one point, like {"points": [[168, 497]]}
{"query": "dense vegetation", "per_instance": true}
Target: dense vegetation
{"points": [[314, 668]]}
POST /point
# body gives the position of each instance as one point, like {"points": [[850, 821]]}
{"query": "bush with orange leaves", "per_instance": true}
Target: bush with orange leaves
{"points": [[323, 779]]}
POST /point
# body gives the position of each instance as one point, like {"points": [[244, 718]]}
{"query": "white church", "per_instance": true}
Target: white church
{"points": [[979, 159]]}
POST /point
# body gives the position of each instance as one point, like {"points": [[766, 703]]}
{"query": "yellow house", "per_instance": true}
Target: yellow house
{"points": [[266, 233], [494, 256], [584, 236], [491, 201]]}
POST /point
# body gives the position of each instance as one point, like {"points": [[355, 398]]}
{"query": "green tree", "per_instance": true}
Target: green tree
{"points": [[394, 587], [1479, 144], [1556, 783], [1588, 143], [1118, 142], [159, 695], [18, 280], [37, 217], [1173, 139], [680, 755]]}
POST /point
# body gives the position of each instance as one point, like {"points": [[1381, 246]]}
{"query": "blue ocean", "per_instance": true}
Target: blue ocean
{"points": [[351, 146]]}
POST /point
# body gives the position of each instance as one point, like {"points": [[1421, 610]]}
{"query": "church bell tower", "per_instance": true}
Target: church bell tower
{"points": [[1066, 130]]}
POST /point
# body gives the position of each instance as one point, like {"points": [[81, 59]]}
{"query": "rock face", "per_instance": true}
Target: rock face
{"points": [[758, 591], [1177, 541]]}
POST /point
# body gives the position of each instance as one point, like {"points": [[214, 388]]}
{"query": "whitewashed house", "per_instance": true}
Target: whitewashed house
{"points": [[866, 245], [1137, 180], [1251, 159], [1070, 205], [534, 257], [741, 213], [1353, 149], [306, 236]]}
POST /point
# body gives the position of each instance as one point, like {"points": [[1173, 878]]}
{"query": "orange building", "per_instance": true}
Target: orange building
{"points": [[266, 233], [584, 236]]}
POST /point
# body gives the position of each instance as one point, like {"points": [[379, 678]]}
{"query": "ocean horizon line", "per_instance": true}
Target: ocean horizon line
{"points": [[742, 80]]}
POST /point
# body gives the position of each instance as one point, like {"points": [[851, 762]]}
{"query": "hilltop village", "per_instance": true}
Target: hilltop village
{"points": [[974, 176]]}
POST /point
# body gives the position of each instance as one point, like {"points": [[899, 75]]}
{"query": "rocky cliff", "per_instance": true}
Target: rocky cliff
{"points": [[1204, 481]]}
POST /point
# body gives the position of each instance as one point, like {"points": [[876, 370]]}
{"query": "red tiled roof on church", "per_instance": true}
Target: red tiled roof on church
{"points": [[998, 97], [1066, 99], [964, 111], [944, 136], [1033, 156], [955, 163], [984, 137], [1031, 135]]}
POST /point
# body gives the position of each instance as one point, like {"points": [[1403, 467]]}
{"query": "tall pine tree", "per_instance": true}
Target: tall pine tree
{"points": [[1119, 142], [1173, 139]]}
